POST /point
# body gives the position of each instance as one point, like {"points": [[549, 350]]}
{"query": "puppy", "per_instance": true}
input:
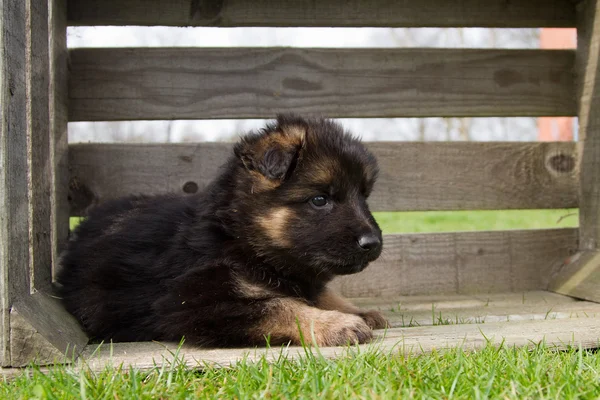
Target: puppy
{"points": [[245, 261]]}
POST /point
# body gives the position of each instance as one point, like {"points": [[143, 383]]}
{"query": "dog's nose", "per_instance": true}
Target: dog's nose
{"points": [[369, 241]]}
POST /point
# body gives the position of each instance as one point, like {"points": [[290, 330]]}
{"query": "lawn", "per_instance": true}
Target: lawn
{"points": [[448, 221], [506, 373]]}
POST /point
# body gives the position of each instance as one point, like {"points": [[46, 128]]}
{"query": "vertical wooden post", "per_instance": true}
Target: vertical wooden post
{"points": [[14, 227], [588, 65], [580, 276], [59, 146], [35, 327]]}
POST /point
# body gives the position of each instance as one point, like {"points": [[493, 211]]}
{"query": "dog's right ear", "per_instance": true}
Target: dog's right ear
{"points": [[274, 153]]}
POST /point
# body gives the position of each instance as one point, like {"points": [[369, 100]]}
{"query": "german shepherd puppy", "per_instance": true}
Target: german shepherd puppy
{"points": [[245, 260]]}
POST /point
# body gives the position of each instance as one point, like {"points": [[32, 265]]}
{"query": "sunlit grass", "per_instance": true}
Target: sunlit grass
{"points": [[448, 221], [505, 373]]}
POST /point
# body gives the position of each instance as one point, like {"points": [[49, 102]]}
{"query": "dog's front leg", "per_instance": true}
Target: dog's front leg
{"points": [[330, 300], [289, 320]]}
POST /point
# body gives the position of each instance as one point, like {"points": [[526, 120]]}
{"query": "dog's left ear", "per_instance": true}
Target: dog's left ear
{"points": [[274, 153]]}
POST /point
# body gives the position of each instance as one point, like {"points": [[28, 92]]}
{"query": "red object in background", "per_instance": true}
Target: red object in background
{"points": [[556, 128]]}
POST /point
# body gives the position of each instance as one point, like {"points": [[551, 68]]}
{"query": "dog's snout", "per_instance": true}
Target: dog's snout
{"points": [[369, 241]]}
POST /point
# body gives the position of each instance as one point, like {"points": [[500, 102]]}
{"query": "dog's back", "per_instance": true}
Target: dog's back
{"points": [[116, 260]]}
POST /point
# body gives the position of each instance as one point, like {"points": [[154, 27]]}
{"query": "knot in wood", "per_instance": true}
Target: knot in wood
{"points": [[562, 163], [190, 187]]}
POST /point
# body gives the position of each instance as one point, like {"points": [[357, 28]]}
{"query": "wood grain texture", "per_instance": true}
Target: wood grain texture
{"points": [[58, 125], [404, 311], [193, 83], [558, 334], [33, 323], [414, 176], [51, 334], [14, 218], [38, 145], [579, 276], [462, 263], [381, 13], [588, 67]]}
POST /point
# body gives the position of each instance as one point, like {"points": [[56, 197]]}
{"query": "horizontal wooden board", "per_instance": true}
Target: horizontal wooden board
{"points": [[580, 327], [559, 334], [199, 83], [382, 13], [436, 309], [414, 175], [462, 263]]}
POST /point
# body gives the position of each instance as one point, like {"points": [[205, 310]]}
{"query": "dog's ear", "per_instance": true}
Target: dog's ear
{"points": [[274, 153]]}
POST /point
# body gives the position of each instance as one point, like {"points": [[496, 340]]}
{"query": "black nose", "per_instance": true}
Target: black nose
{"points": [[369, 241]]}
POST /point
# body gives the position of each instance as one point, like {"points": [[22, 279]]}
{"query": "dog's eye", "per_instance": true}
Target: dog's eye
{"points": [[319, 201]]}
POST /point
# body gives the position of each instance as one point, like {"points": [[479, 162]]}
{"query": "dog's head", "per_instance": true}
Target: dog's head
{"points": [[302, 192]]}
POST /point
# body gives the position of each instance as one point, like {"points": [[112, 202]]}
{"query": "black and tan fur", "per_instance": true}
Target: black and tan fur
{"points": [[248, 258]]}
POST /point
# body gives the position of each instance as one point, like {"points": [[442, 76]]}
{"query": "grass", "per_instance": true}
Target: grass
{"points": [[448, 221], [506, 373]]}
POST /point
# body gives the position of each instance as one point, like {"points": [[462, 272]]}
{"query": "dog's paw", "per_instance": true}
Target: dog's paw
{"points": [[339, 329], [374, 319]]}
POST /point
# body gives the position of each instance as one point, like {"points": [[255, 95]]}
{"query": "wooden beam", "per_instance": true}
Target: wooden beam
{"points": [[462, 263], [558, 334], [58, 127], [14, 218], [580, 277], [588, 67], [38, 145], [380, 13], [28, 310], [414, 176], [194, 83], [439, 309]]}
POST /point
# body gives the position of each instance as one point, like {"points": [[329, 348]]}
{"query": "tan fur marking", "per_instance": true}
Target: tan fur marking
{"points": [[290, 139], [262, 183], [331, 328], [251, 290], [323, 172], [275, 225], [330, 300], [296, 133]]}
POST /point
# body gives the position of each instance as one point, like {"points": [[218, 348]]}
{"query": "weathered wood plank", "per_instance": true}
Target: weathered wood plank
{"points": [[463, 263], [14, 219], [33, 323], [404, 311], [580, 276], [414, 176], [558, 334], [38, 145], [381, 13], [58, 124], [44, 332], [588, 67], [193, 83]]}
